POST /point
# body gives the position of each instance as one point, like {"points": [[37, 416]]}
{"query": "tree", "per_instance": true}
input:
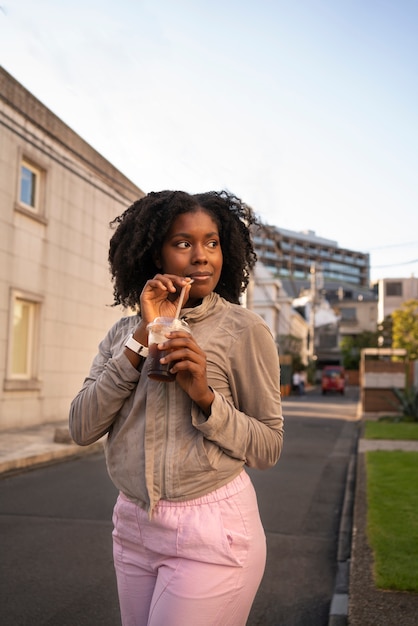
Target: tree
{"points": [[351, 347], [405, 328]]}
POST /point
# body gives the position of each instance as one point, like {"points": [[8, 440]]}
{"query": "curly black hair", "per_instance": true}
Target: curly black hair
{"points": [[142, 228]]}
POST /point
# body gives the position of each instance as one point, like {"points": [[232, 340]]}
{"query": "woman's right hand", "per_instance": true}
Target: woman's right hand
{"points": [[160, 296]]}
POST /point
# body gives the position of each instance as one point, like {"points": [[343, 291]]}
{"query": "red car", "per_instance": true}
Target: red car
{"points": [[333, 379]]}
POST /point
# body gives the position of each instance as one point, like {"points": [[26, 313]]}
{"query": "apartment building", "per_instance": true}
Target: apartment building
{"points": [[57, 197], [292, 255], [326, 282]]}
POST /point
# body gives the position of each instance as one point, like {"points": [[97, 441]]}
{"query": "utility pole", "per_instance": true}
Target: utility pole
{"points": [[311, 351], [316, 297]]}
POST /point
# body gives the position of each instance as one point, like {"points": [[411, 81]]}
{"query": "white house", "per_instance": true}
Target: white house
{"points": [[275, 306], [393, 292]]}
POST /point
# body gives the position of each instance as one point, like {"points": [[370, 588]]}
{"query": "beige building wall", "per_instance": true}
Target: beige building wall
{"points": [[265, 300], [274, 305], [393, 292], [356, 316], [53, 258]]}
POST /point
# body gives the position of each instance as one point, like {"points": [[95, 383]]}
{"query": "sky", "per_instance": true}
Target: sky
{"points": [[305, 109]]}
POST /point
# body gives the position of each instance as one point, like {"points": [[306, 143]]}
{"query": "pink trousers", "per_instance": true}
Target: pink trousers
{"points": [[195, 563]]}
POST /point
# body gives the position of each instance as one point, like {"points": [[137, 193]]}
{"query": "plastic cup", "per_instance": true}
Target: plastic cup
{"points": [[157, 333]]}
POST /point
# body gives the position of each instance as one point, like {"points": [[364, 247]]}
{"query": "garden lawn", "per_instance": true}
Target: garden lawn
{"points": [[392, 519], [406, 431]]}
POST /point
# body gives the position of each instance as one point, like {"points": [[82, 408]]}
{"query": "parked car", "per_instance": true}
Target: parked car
{"points": [[333, 379]]}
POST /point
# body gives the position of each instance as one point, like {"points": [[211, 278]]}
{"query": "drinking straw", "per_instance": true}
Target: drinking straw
{"points": [[181, 298]]}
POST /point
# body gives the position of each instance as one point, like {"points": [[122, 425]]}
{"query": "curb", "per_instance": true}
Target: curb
{"points": [[64, 453], [338, 614]]}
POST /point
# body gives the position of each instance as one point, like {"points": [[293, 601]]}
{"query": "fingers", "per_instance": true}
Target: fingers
{"points": [[183, 352], [180, 344], [167, 282], [188, 361], [161, 294]]}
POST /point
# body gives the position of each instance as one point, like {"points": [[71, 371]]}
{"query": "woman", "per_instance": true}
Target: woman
{"points": [[189, 547]]}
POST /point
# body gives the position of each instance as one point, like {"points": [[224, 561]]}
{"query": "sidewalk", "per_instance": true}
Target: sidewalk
{"points": [[46, 443], [22, 449], [39, 445]]}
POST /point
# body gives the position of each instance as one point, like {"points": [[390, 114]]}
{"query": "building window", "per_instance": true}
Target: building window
{"points": [[327, 342], [31, 191], [28, 186], [349, 314], [394, 289], [30, 178], [22, 371]]}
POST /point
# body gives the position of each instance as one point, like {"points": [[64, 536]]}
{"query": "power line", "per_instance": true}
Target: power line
{"points": [[395, 245], [395, 264]]}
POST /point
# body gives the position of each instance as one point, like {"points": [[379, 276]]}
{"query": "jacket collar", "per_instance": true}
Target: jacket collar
{"points": [[204, 309]]}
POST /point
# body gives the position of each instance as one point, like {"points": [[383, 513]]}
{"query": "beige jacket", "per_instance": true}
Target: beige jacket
{"points": [[160, 445]]}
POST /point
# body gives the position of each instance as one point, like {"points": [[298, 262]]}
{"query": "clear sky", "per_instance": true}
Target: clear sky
{"points": [[306, 109]]}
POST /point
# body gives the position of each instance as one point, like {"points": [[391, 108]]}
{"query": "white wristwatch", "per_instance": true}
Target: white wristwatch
{"points": [[136, 347]]}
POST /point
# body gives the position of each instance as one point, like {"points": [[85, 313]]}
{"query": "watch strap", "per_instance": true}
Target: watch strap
{"points": [[136, 347]]}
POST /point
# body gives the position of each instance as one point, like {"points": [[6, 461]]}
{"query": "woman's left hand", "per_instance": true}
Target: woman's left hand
{"points": [[188, 362]]}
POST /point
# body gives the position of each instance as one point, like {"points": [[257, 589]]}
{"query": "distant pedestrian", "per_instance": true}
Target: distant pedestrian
{"points": [[296, 382], [189, 547], [302, 382]]}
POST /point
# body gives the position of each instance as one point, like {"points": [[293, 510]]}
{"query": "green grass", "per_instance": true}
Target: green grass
{"points": [[392, 519], [407, 431]]}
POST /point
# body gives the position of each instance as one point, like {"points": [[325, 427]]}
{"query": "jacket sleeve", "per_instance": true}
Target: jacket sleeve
{"points": [[111, 380], [246, 420]]}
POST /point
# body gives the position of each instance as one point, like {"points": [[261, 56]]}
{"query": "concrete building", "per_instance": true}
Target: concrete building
{"points": [[57, 197], [266, 296], [357, 316], [275, 306], [291, 255], [393, 292]]}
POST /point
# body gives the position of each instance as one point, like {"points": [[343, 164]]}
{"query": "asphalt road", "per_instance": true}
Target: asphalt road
{"points": [[300, 502], [55, 529], [55, 544]]}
